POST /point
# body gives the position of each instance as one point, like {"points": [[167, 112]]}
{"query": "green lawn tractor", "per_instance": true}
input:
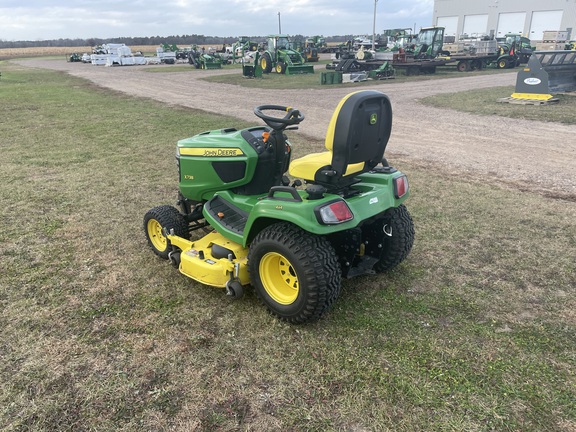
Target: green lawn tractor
{"points": [[341, 215], [280, 56]]}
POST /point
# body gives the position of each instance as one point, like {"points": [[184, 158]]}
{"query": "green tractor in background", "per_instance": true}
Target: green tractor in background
{"points": [[280, 56]]}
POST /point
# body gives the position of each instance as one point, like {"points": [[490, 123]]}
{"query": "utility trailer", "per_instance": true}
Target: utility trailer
{"points": [[466, 63], [477, 53]]}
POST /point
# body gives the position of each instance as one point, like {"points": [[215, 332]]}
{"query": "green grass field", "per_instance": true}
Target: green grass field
{"points": [[475, 331]]}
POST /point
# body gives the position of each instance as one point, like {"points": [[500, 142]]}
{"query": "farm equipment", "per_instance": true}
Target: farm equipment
{"points": [[166, 57], [310, 50], [547, 72], [385, 71], [74, 58], [523, 45], [201, 60], [293, 245], [469, 54], [429, 43], [280, 56], [507, 55], [241, 47]]}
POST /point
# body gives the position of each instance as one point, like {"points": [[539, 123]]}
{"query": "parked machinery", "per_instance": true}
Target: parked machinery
{"points": [[523, 45], [311, 50], [201, 60], [280, 56], [241, 48]]}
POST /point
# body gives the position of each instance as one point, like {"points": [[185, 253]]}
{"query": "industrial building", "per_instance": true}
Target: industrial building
{"points": [[531, 18]]}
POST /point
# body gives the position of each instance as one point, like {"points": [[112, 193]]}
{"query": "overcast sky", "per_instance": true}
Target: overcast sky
{"points": [[55, 19]]}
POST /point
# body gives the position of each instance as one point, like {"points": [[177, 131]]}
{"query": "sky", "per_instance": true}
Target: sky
{"points": [[33, 20]]}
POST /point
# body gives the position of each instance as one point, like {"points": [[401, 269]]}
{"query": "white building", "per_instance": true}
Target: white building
{"points": [[531, 18]]}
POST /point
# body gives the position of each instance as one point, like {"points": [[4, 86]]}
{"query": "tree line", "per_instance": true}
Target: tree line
{"points": [[149, 40]]}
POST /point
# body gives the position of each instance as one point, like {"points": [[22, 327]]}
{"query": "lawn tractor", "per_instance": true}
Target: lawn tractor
{"points": [[280, 56], [341, 215]]}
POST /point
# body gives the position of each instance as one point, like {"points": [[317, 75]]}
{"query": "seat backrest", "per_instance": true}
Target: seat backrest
{"points": [[358, 133]]}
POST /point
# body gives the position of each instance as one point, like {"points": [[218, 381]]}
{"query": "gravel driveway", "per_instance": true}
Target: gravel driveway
{"points": [[541, 159]]}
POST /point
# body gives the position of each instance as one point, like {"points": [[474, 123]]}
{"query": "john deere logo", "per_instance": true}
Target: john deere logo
{"points": [[373, 119]]}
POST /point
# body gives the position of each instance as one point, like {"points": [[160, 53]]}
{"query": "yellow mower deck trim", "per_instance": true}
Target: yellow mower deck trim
{"points": [[532, 96]]}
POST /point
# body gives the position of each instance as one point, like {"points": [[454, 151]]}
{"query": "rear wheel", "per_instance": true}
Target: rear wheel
{"points": [[266, 63], [163, 217], [463, 66], [295, 274], [398, 229], [502, 64]]}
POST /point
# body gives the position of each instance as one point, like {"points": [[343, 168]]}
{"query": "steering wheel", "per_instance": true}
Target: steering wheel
{"points": [[293, 116]]}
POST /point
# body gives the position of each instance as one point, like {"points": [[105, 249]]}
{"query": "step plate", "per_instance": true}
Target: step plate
{"points": [[230, 216]]}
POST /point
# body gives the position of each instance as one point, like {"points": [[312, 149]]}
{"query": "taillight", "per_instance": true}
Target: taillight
{"points": [[401, 186], [334, 213]]}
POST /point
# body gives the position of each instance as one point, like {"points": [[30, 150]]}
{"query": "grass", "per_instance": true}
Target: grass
{"points": [[485, 102], [474, 332]]}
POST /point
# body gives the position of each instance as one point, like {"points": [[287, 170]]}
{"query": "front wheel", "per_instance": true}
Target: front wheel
{"points": [[280, 67], [397, 228], [294, 273], [158, 218]]}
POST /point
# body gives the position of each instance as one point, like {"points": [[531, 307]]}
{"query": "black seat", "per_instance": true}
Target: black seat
{"points": [[356, 139]]}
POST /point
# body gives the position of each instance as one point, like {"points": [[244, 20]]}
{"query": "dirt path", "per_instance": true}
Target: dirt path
{"points": [[542, 158]]}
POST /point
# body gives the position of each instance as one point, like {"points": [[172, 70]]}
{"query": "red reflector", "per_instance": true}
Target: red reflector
{"points": [[335, 213], [341, 211], [400, 186]]}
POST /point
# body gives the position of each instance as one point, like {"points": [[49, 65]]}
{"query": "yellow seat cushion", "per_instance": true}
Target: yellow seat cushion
{"points": [[306, 166]]}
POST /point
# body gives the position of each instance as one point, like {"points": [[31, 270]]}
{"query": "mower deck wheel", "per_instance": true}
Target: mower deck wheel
{"points": [[163, 217]]}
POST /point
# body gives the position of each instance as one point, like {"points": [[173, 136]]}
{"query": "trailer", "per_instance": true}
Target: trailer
{"points": [[477, 53], [466, 63]]}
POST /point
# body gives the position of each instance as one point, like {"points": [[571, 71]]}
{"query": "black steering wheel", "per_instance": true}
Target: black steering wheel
{"points": [[292, 117]]}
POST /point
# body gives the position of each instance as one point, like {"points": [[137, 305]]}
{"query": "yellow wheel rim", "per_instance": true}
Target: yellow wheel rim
{"points": [[156, 236], [264, 63], [279, 278], [278, 68]]}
